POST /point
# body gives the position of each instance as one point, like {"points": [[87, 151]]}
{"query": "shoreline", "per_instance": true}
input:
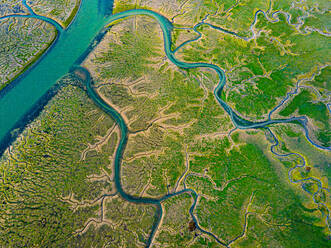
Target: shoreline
{"points": [[33, 62], [37, 108], [67, 22], [96, 40], [72, 15], [64, 23], [29, 117]]}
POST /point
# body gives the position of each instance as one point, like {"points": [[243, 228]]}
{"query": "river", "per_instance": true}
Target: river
{"points": [[22, 95], [68, 51]]}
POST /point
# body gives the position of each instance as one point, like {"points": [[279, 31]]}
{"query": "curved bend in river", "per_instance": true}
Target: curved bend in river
{"points": [[69, 49], [63, 55], [238, 121]]}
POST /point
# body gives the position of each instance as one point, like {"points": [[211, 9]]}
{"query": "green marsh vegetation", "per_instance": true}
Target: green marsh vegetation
{"points": [[303, 104], [263, 70], [295, 141], [156, 156], [242, 181], [175, 224], [22, 41], [52, 181], [130, 57], [176, 129], [61, 10], [123, 5], [165, 107], [321, 80]]}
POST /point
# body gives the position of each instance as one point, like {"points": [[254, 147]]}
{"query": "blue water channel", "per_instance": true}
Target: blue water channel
{"points": [[71, 47]]}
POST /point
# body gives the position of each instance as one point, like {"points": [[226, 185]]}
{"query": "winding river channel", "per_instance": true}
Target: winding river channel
{"points": [[67, 52]]}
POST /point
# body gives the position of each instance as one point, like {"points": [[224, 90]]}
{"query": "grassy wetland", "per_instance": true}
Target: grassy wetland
{"points": [[22, 42], [217, 186]]}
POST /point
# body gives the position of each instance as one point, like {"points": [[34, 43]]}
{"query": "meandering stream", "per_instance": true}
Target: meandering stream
{"points": [[71, 47]]}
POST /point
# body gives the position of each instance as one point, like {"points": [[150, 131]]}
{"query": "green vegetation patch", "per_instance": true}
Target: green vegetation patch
{"points": [[52, 182], [131, 56], [317, 111], [22, 41], [242, 183], [323, 79]]}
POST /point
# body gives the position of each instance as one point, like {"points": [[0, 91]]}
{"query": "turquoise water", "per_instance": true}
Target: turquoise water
{"points": [[117, 166], [73, 42], [55, 63], [237, 120], [69, 48]]}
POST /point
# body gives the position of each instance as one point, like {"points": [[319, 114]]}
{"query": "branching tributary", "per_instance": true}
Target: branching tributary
{"points": [[236, 118]]}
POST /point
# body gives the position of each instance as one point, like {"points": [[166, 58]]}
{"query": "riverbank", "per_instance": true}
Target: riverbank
{"points": [[9, 84], [64, 23], [29, 117], [241, 123], [73, 14]]}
